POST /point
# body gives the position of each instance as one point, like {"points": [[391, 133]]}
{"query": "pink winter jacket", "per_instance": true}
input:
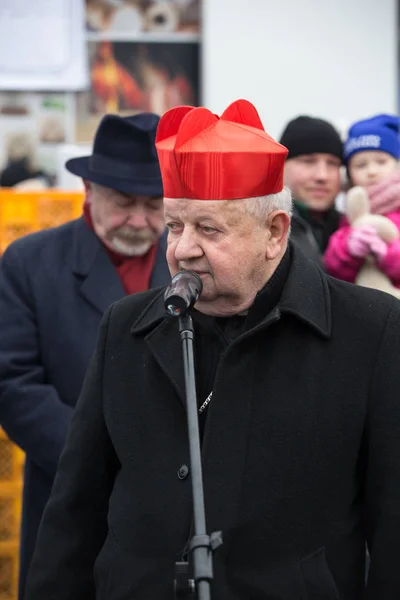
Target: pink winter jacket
{"points": [[341, 264]]}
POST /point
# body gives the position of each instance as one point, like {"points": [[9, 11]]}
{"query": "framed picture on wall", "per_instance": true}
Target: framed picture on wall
{"points": [[143, 56], [129, 77]]}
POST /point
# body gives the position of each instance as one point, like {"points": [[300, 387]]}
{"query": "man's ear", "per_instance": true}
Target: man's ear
{"points": [[278, 224]]}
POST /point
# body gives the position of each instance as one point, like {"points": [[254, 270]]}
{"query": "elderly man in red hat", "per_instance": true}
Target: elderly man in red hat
{"points": [[297, 386]]}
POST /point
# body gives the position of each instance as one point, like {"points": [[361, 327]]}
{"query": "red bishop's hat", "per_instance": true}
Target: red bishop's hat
{"points": [[206, 157]]}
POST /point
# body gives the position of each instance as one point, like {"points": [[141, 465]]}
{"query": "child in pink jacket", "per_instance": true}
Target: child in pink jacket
{"points": [[371, 153]]}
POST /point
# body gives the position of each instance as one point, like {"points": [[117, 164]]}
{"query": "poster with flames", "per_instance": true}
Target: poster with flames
{"points": [[129, 77], [143, 56]]}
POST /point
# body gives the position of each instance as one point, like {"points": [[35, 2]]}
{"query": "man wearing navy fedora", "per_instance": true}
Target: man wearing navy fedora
{"points": [[55, 286]]}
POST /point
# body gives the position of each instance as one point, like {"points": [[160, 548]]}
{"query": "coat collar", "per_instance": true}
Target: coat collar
{"points": [[305, 295], [158, 328], [160, 274], [100, 282]]}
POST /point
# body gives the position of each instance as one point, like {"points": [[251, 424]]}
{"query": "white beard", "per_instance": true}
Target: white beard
{"points": [[131, 249]]}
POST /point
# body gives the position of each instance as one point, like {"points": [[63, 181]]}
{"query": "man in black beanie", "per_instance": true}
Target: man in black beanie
{"points": [[312, 172]]}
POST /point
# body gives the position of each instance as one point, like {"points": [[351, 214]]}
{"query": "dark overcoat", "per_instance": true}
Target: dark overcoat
{"points": [[54, 288], [301, 455]]}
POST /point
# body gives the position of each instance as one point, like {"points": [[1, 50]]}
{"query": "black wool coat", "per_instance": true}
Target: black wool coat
{"points": [[301, 455]]}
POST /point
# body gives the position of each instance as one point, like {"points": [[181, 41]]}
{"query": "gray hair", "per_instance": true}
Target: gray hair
{"points": [[261, 206]]}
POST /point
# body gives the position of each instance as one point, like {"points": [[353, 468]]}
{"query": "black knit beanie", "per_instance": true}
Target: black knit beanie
{"points": [[308, 135]]}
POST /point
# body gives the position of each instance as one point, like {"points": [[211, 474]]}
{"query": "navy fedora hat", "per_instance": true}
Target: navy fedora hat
{"points": [[124, 156]]}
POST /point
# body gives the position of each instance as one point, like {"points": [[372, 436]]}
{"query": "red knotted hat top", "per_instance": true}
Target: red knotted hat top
{"points": [[206, 157]]}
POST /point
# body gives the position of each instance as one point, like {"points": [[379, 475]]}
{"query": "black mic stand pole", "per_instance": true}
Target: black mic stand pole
{"points": [[201, 545]]}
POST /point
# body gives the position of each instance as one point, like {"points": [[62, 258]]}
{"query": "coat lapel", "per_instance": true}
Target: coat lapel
{"points": [[163, 339], [160, 275], [100, 283], [305, 294]]}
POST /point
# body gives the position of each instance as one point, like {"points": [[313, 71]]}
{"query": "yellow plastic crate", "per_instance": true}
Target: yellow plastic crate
{"points": [[9, 555], [22, 213], [10, 511], [25, 212], [11, 461], [11, 480]]}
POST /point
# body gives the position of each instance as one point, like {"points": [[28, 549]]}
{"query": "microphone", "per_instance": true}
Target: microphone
{"points": [[182, 293]]}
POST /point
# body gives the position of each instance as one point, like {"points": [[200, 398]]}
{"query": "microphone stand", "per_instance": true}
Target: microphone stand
{"points": [[201, 545]]}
